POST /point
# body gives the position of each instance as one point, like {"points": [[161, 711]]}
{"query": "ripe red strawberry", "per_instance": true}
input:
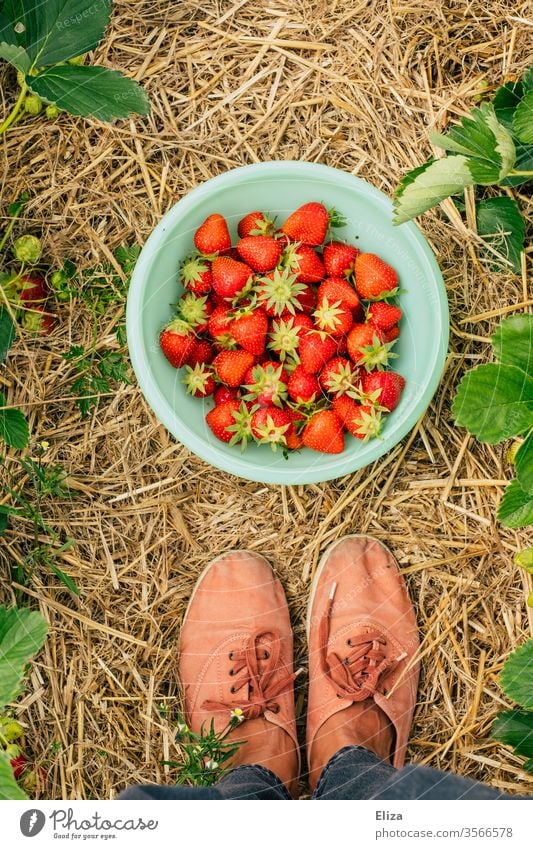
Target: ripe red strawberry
{"points": [[38, 321], [344, 406], [278, 292], [323, 432], [339, 259], [340, 377], [19, 765], [337, 289], [177, 342], [334, 318], [213, 235], [262, 253], [293, 434], [196, 275], [270, 424], [219, 323], [284, 336], [220, 418], [387, 384], [255, 224], [374, 278], [366, 346], [199, 381], [32, 288], [202, 352], [364, 421], [249, 329], [383, 315], [303, 261], [309, 224], [392, 334], [266, 384], [225, 393], [231, 366], [231, 278], [303, 387], [195, 311], [316, 348]]}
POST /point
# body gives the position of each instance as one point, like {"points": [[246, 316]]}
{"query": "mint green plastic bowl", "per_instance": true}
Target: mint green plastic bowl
{"points": [[280, 187]]}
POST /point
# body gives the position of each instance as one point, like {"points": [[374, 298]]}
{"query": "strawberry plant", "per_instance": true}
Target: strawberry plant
{"points": [[495, 402], [205, 757], [493, 146], [22, 634], [515, 727], [46, 43]]}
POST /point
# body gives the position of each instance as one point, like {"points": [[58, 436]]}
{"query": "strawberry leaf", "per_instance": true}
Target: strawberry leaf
{"points": [[513, 342], [516, 507], [57, 30], [516, 678], [515, 728], [523, 119], [524, 464], [9, 789], [494, 402], [92, 92], [7, 332], [22, 634], [429, 185], [500, 224], [14, 429], [15, 55]]}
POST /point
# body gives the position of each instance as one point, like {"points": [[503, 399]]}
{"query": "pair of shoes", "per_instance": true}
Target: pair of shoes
{"points": [[237, 654]]}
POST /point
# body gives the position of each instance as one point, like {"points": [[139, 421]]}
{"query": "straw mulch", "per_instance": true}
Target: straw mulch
{"points": [[355, 85]]}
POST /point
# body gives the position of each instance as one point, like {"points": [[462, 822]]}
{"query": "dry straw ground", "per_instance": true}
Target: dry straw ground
{"points": [[355, 84]]}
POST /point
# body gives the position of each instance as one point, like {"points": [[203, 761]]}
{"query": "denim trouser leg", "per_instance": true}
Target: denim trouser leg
{"points": [[352, 773]]}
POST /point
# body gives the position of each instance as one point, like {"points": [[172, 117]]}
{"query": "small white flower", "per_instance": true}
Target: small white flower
{"points": [[210, 764], [237, 714], [45, 445]]}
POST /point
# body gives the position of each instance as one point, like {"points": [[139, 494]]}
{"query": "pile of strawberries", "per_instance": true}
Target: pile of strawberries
{"points": [[291, 335]]}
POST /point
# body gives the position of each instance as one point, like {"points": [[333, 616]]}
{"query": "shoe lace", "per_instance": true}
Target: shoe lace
{"points": [[365, 665], [255, 667]]}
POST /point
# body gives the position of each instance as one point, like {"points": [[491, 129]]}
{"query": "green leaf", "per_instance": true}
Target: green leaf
{"points": [[516, 507], [58, 29], [14, 428], [524, 464], [487, 144], [516, 678], [494, 402], [9, 789], [527, 79], [515, 728], [22, 634], [432, 183], [500, 223], [127, 256], [65, 579], [15, 55], [91, 92], [523, 119], [4, 521], [506, 99], [513, 342], [7, 333]]}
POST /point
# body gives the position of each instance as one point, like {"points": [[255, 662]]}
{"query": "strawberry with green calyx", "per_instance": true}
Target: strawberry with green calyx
{"points": [[385, 386], [340, 377], [219, 326], [339, 259], [19, 765], [303, 387], [231, 366], [231, 279], [278, 292], [195, 311], [383, 315], [323, 432], [270, 425], [366, 347], [261, 253], [310, 223], [222, 417], [249, 329], [374, 278], [241, 429], [27, 249], [213, 235], [225, 393], [365, 422], [39, 322], [28, 289], [177, 342], [316, 348], [337, 289], [202, 352], [266, 384], [196, 275], [284, 335], [334, 318], [306, 300], [255, 224], [303, 261], [199, 380]]}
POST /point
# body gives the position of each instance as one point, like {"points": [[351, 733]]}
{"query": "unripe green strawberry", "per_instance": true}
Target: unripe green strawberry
{"points": [[52, 111], [27, 249], [10, 729], [33, 104], [21, 78]]}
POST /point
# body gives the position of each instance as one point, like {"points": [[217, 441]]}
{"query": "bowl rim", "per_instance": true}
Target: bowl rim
{"points": [[236, 464]]}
